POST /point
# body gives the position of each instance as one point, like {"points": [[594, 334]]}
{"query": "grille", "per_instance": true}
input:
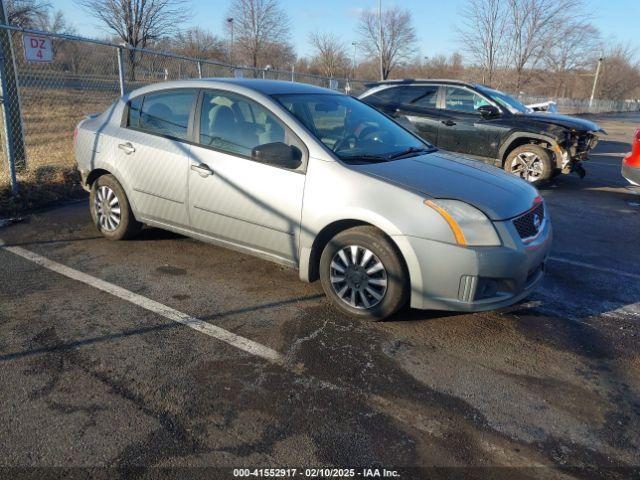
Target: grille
{"points": [[525, 224], [583, 143]]}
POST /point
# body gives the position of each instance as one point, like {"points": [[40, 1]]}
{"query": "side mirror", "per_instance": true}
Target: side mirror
{"points": [[489, 111], [278, 154]]}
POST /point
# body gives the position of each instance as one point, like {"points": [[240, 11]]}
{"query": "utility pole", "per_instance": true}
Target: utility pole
{"points": [[230, 23], [595, 81], [12, 116], [381, 39], [355, 50]]}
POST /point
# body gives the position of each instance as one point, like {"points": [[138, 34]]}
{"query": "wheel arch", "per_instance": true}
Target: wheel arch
{"points": [[518, 139], [310, 261], [95, 174]]}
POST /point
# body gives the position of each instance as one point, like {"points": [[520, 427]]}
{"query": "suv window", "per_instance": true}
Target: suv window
{"points": [[163, 113], [236, 125], [463, 100], [424, 96]]}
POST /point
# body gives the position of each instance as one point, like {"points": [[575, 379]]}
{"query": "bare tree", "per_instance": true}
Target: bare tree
{"points": [[440, 66], [620, 75], [138, 22], [330, 53], [26, 13], [257, 25], [532, 26], [279, 55], [54, 22], [199, 43], [574, 47], [482, 34], [398, 37]]}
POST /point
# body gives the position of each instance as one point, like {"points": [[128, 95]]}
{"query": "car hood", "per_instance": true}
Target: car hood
{"points": [[442, 175], [566, 121]]}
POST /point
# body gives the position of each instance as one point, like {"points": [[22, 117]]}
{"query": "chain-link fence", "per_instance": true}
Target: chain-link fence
{"points": [[46, 99], [579, 105]]}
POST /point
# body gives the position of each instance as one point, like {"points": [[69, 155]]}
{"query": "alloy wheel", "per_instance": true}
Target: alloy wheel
{"points": [[528, 166], [107, 208], [358, 277]]}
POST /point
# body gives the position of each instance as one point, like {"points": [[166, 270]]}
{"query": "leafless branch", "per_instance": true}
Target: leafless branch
{"points": [[398, 37], [258, 24], [330, 53]]}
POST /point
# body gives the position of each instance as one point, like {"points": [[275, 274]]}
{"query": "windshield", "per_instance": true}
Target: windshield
{"points": [[511, 104], [354, 131]]}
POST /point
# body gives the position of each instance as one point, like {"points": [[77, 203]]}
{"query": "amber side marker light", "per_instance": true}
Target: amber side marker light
{"points": [[453, 225]]}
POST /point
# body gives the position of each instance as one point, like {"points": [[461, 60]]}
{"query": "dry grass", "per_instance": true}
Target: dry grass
{"points": [[49, 116]]}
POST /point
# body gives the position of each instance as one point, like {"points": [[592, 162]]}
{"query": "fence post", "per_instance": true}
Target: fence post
{"points": [[199, 69], [6, 124], [12, 116], [293, 73], [121, 70]]}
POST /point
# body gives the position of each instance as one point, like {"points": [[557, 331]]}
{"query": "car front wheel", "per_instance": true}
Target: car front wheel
{"points": [[531, 163], [363, 275], [110, 209]]}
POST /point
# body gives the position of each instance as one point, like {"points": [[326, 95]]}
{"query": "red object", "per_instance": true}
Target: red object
{"points": [[632, 159], [75, 137]]}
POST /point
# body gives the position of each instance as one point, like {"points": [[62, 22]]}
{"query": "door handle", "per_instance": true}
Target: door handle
{"points": [[127, 148], [202, 170], [448, 123]]}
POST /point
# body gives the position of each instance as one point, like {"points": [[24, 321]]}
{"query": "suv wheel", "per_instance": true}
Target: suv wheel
{"points": [[110, 209], [362, 273], [531, 163]]}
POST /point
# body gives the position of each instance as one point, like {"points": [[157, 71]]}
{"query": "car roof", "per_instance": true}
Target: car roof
{"points": [[417, 81], [265, 87]]}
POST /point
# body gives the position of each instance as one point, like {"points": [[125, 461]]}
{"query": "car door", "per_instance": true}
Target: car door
{"points": [[153, 154], [233, 197], [412, 106], [462, 129]]}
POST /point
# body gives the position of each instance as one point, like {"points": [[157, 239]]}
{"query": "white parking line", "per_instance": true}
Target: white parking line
{"points": [[595, 267], [237, 341]]}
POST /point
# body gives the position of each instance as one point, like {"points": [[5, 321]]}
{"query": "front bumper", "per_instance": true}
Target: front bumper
{"points": [[449, 277], [631, 174]]}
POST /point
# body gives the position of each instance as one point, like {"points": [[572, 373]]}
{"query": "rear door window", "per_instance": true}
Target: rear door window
{"points": [[164, 113]]}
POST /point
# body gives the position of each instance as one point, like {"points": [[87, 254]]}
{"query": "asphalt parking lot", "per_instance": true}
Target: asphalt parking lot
{"points": [[96, 375]]}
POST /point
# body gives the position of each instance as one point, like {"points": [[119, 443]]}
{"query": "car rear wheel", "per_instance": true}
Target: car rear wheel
{"points": [[363, 275], [110, 209], [531, 163]]}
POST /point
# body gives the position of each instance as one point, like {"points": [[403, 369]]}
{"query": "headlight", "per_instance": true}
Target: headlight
{"points": [[469, 225]]}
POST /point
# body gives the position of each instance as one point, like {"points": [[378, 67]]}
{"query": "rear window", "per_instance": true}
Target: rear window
{"points": [[162, 113]]}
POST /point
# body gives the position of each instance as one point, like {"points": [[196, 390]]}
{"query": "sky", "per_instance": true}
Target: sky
{"points": [[434, 20]]}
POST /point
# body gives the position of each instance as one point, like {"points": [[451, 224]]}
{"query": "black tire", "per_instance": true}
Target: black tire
{"points": [[128, 226], [397, 278], [545, 163]]}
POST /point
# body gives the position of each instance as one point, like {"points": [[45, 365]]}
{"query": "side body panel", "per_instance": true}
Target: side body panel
{"points": [[246, 202], [157, 174]]}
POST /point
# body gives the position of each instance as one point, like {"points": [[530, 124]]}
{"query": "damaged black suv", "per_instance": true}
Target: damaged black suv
{"points": [[487, 124]]}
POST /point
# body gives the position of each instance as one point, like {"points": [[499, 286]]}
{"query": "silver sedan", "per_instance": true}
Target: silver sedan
{"points": [[320, 182]]}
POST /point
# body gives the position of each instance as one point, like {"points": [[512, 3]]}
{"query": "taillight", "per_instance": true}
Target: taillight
{"points": [[632, 159], [75, 137]]}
